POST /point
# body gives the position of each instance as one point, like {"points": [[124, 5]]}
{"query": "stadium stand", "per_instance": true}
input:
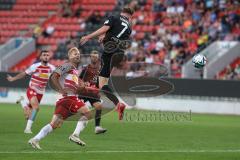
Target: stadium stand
{"points": [[22, 17], [164, 30], [230, 72], [25, 62], [175, 30]]}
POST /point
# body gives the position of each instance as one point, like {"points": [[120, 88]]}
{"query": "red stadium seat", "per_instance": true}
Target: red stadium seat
{"points": [[150, 2], [140, 35], [22, 65]]}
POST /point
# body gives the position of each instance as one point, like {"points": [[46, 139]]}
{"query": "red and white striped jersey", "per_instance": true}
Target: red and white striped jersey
{"points": [[40, 75], [68, 78]]}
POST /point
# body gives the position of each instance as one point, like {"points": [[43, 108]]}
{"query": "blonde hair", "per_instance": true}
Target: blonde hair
{"points": [[72, 49]]}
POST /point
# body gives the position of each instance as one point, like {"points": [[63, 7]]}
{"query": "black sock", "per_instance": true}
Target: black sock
{"points": [[98, 117], [109, 93]]}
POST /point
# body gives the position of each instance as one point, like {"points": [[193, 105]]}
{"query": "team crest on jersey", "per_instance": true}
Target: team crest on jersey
{"points": [[75, 79]]}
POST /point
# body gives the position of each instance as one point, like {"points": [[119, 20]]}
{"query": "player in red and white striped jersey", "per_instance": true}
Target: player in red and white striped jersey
{"points": [[65, 80], [40, 73]]}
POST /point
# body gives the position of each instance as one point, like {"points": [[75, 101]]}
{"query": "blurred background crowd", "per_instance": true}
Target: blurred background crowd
{"points": [[167, 32]]}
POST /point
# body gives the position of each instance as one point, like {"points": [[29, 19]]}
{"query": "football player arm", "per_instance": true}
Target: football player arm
{"points": [[18, 76], [57, 73], [101, 37], [55, 81], [83, 88], [80, 87], [100, 31]]}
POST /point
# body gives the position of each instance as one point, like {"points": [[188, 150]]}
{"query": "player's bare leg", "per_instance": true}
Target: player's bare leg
{"points": [[81, 124], [98, 108], [27, 112], [25, 106], [56, 122], [120, 107], [35, 108]]}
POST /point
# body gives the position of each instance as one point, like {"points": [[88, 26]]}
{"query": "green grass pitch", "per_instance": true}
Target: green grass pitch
{"points": [[205, 137]]}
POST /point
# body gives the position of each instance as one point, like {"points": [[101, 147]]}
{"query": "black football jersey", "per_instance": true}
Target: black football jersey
{"points": [[90, 74], [120, 28]]}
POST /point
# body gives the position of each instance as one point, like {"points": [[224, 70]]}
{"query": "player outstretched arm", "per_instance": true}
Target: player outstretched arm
{"points": [[18, 76], [55, 81], [100, 31], [101, 37]]}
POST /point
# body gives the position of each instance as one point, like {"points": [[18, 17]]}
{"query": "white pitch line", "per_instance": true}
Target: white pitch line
{"points": [[109, 151]]}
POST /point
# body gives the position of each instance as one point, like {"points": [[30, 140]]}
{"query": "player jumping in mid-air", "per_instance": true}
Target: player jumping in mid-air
{"points": [[40, 74], [116, 29], [89, 75], [65, 80]]}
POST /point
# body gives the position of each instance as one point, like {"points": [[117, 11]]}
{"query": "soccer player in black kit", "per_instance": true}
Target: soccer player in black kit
{"points": [[89, 76], [115, 32]]}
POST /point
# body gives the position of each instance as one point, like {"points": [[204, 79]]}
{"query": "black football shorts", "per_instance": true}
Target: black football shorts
{"points": [[109, 61]]}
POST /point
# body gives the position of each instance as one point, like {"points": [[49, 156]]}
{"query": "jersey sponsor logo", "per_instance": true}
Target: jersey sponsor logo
{"points": [[43, 75], [116, 45]]}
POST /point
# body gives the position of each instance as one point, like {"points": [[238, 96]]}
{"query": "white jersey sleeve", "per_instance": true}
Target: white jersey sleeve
{"points": [[63, 68], [30, 70], [52, 67]]}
